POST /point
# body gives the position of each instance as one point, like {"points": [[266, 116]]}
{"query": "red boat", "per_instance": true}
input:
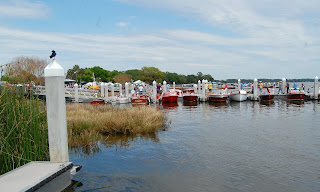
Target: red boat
{"points": [[187, 88], [295, 95], [169, 97], [97, 102], [190, 97], [266, 97], [140, 99], [217, 97]]}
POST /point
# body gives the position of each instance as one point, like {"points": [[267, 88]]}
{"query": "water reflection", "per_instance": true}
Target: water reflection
{"points": [[170, 105], [117, 141], [192, 104], [266, 102]]}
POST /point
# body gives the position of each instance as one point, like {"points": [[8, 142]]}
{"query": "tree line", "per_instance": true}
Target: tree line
{"points": [[25, 69], [146, 74]]}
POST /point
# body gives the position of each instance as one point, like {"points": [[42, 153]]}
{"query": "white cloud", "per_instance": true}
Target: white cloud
{"points": [[122, 24], [23, 9]]}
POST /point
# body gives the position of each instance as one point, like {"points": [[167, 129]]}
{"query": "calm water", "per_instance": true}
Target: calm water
{"points": [[230, 147]]}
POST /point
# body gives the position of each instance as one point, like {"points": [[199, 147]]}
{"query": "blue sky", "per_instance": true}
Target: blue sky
{"points": [[224, 38]]}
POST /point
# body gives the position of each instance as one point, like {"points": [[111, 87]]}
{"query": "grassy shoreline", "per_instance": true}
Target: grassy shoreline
{"points": [[88, 123]]}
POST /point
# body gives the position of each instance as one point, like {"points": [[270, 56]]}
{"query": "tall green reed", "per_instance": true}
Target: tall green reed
{"points": [[23, 129]]}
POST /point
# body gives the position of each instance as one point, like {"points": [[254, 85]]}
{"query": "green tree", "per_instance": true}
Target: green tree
{"points": [[135, 74], [149, 74], [122, 78], [192, 79]]}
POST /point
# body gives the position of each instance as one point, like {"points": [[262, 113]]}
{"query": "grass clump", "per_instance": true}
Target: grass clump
{"points": [[88, 123], [23, 129]]}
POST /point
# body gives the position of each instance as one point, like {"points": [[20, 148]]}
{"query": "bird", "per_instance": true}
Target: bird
{"points": [[53, 54]]}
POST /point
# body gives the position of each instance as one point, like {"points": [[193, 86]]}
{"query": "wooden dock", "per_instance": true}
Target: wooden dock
{"points": [[38, 176]]}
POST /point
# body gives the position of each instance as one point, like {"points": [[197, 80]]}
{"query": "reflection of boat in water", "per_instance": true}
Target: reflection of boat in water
{"points": [[190, 97], [238, 96], [217, 97], [267, 102], [190, 103], [169, 97], [295, 95], [266, 97], [169, 105], [97, 102], [140, 99], [218, 104]]}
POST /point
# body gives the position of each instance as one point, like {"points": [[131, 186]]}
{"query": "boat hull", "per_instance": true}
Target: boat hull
{"points": [[239, 96], [217, 97], [140, 100], [190, 98], [97, 102], [295, 96], [266, 97], [170, 99]]}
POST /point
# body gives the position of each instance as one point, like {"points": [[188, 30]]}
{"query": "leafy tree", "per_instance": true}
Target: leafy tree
{"points": [[26, 69], [122, 78], [149, 74], [192, 79], [135, 74], [171, 77], [182, 79], [208, 77]]}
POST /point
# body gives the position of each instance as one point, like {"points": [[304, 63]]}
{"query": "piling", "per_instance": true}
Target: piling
{"points": [[164, 87], [126, 87], [203, 91], [106, 94], [174, 85], [56, 112], [154, 91], [199, 87], [255, 89], [120, 89], [239, 84], [76, 93], [284, 85], [112, 91], [316, 88], [102, 89]]}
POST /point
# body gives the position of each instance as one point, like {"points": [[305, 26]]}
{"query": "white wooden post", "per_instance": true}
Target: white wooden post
{"points": [[56, 112], [106, 94], [199, 87], [102, 89], [164, 86], [284, 85], [316, 88], [239, 84], [120, 89], [112, 91], [126, 86], [174, 85], [203, 90], [255, 89], [154, 91], [76, 93]]}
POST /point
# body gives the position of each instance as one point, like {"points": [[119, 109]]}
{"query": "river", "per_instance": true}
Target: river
{"points": [[234, 146]]}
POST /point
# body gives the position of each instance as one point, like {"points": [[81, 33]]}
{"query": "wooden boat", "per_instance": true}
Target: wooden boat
{"points": [[190, 97], [266, 97], [169, 97], [217, 97], [97, 102], [238, 96], [140, 99], [187, 88], [295, 95]]}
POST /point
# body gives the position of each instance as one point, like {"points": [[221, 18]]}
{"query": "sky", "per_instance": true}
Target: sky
{"points": [[228, 39]]}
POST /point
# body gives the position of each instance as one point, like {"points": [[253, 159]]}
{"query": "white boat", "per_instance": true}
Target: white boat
{"points": [[238, 96]]}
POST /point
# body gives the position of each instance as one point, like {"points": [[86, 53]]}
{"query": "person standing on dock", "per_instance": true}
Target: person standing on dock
{"points": [[288, 86], [260, 86], [295, 86], [226, 88], [280, 88]]}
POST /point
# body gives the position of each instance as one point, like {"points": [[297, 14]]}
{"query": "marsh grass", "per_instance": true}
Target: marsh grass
{"points": [[88, 123], [23, 129]]}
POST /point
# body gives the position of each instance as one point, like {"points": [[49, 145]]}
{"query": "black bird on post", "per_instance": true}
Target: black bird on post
{"points": [[53, 54]]}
